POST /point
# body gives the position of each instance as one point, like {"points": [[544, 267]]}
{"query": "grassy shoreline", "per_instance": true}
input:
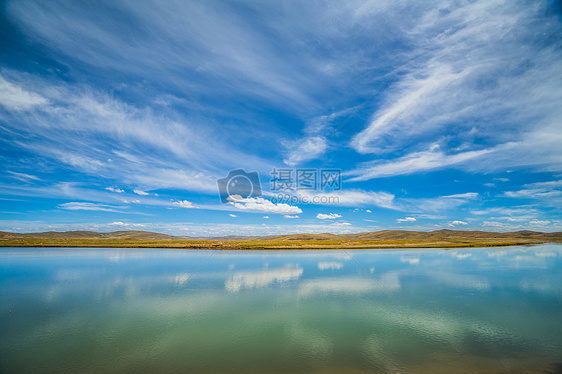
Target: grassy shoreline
{"points": [[387, 239], [264, 244]]}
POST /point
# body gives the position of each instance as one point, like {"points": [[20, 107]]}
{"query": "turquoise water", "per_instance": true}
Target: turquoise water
{"points": [[492, 310]]}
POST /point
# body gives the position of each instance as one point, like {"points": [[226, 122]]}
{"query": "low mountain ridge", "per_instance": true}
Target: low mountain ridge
{"points": [[375, 235]]}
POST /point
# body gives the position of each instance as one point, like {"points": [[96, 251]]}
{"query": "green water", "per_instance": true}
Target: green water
{"points": [[180, 311]]}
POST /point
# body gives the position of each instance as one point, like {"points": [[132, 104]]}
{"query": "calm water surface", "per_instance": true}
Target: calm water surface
{"points": [[487, 310]]}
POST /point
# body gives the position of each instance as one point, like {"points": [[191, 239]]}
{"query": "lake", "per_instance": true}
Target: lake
{"points": [[86, 310]]}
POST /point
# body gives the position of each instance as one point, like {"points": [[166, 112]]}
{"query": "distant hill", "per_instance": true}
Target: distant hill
{"points": [[324, 236], [447, 234], [123, 235], [378, 239], [376, 235]]}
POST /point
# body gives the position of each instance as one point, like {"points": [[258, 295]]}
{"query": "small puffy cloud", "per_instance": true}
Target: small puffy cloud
{"points": [[233, 215], [328, 216], [265, 217], [184, 204], [341, 224], [330, 265], [140, 192], [118, 190], [368, 211], [289, 216], [262, 205], [539, 222], [407, 219], [457, 223]]}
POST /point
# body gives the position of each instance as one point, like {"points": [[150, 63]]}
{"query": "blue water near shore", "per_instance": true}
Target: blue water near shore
{"points": [[84, 310]]}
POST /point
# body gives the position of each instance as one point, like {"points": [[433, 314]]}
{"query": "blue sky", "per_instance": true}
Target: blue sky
{"points": [[123, 115]]}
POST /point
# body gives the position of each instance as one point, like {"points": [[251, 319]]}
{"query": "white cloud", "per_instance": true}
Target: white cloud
{"points": [[233, 215], [305, 149], [140, 192], [262, 205], [539, 222], [457, 223], [240, 57], [14, 97], [414, 163], [118, 190], [184, 204], [410, 260], [514, 225], [88, 206], [368, 211], [351, 197], [133, 144], [125, 224], [549, 193], [23, 177], [350, 285], [520, 212], [341, 224], [328, 216], [355, 197], [261, 279], [407, 219], [330, 265], [472, 69], [289, 216], [435, 204], [265, 217]]}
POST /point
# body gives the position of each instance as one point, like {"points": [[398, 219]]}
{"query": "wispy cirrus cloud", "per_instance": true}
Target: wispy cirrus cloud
{"points": [[90, 206], [305, 149], [436, 204], [117, 138], [474, 67], [463, 90], [414, 163], [17, 98], [23, 176], [351, 198]]}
